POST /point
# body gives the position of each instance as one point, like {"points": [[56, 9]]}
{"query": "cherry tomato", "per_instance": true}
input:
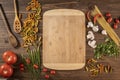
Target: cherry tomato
{"points": [[22, 69], [117, 21], [21, 65], [47, 76], [44, 70], [109, 20], [35, 66], [28, 61], [52, 72], [115, 26], [108, 14], [9, 57], [6, 70]]}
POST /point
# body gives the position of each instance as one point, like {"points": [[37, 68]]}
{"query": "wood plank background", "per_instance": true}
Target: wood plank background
{"points": [[112, 6]]}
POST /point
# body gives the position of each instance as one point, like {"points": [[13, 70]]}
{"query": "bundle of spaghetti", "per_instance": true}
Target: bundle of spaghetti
{"points": [[101, 20]]}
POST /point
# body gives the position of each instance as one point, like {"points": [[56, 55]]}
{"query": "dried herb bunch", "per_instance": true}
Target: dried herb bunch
{"points": [[107, 48], [30, 24]]}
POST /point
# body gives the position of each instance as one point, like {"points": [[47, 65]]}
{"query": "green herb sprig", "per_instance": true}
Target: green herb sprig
{"points": [[108, 48]]}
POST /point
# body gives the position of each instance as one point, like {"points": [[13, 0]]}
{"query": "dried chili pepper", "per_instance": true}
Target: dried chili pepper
{"points": [[88, 15], [95, 17]]}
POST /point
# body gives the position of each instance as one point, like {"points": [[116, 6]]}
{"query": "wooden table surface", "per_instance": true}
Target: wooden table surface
{"points": [[112, 6]]}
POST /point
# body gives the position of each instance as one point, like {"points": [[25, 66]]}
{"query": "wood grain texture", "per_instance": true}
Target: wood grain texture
{"points": [[64, 39], [111, 6]]}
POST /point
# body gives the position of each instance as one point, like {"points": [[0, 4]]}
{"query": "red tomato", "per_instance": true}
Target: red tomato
{"points": [[108, 14], [117, 21], [35, 66], [47, 76], [6, 70], [52, 72], [22, 69], [21, 65], [44, 70], [9, 57], [109, 20], [28, 61], [115, 26]]}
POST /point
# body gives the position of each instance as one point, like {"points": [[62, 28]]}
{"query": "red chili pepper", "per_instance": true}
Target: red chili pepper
{"points": [[117, 21], [21, 65], [109, 20], [22, 69], [35, 66], [115, 26], [88, 15], [95, 17], [108, 14], [28, 61], [47, 76], [44, 70], [52, 72]]}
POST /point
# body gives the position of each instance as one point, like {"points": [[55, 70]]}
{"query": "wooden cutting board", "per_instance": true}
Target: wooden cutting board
{"points": [[64, 39]]}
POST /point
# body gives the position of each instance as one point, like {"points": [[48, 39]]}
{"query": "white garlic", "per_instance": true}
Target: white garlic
{"points": [[92, 43], [90, 24], [90, 35], [95, 28], [104, 32]]}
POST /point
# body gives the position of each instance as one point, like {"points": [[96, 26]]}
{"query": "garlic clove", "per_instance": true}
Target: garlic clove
{"points": [[104, 32], [90, 33], [88, 36], [92, 43], [90, 24], [95, 28]]}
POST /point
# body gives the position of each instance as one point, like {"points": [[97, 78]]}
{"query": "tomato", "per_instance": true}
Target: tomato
{"points": [[9, 57], [115, 26], [109, 20], [52, 72], [6, 70], [22, 69], [47, 76], [108, 14], [44, 70], [35, 66], [28, 61], [21, 65]]}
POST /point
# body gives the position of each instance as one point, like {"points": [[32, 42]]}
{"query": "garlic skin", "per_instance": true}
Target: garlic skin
{"points": [[92, 43], [90, 24], [95, 28], [90, 35], [104, 32]]}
